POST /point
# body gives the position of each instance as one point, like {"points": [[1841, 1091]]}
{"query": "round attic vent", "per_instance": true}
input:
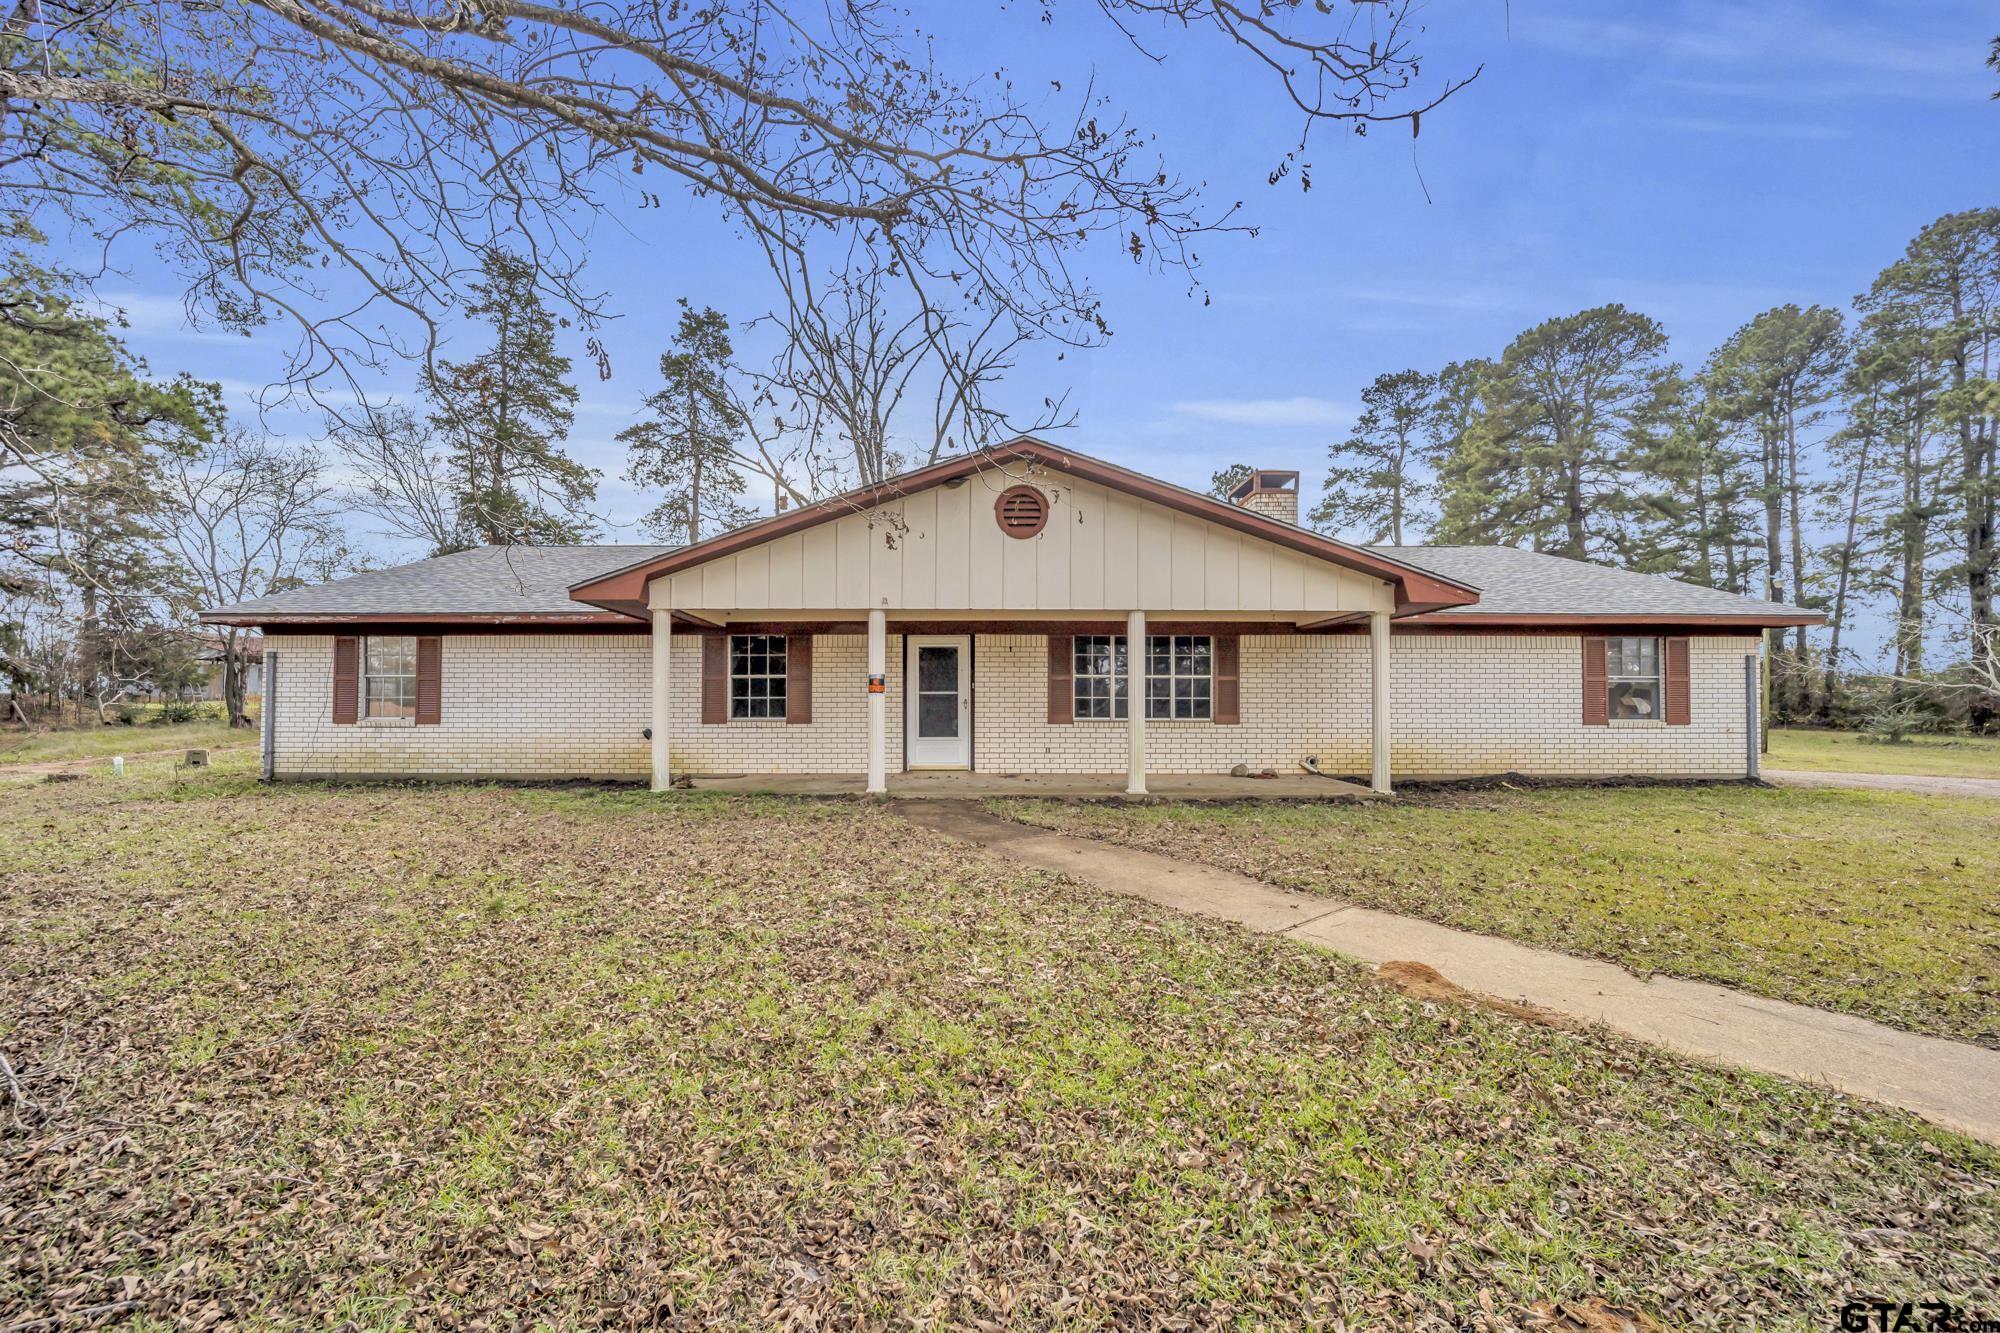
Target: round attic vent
{"points": [[1022, 511]]}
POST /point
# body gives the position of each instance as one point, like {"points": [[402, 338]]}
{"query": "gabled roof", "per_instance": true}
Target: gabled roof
{"points": [[1531, 587], [1417, 589], [501, 584]]}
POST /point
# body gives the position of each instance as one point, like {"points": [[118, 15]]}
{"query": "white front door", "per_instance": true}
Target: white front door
{"points": [[937, 717]]}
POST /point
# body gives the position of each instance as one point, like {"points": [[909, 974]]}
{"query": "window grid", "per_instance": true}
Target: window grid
{"points": [[756, 675], [1100, 676], [389, 676], [1180, 677], [1634, 679]]}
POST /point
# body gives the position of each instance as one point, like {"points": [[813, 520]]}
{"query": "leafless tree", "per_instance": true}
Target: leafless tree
{"points": [[341, 164], [402, 477], [248, 519], [867, 364]]}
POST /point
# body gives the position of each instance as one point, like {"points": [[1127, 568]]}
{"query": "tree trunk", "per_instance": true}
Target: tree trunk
{"points": [[234, 669], [1841, 580], [1801, 702], [1774, 531], [1574, 514]]}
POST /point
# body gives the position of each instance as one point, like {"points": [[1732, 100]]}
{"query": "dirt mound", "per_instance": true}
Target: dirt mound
{"points": [[1421, 981]]}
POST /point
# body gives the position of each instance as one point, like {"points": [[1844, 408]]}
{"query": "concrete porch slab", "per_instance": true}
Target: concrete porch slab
{"points": [[1087, 786]]}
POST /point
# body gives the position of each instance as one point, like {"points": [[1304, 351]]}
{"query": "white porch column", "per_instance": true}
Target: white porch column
{"points": [[1378, 647], [663, 679], [878, 704], [1135, 704]]}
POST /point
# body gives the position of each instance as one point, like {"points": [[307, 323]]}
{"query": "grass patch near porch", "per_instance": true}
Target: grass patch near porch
{"points": [[424, 1056], [1856, 752], [1875, 903]]}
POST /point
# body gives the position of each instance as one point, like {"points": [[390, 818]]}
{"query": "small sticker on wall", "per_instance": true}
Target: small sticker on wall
{"points": [[878, 684]]}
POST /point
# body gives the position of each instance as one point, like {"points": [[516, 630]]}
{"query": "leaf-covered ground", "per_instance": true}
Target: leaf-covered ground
{"points": [[1877, 903], [1857, 752], [431, 1057]]}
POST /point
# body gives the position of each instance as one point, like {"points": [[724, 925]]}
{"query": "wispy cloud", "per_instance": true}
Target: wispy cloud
{"points": [[159, 318], [1298, 411], [1748, 128], [1775, 52]]}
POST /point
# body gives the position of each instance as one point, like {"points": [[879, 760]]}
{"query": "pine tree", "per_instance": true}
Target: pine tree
{"points": [[1949, 282], [687, 450], [504, 415], [1227, 479], [1547, 458], [1692, 522], [1898, 379], [1773, 379], [1381, 479], [83, 432]]}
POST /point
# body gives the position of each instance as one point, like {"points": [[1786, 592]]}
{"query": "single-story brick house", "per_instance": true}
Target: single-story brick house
{"points": [[996, 613]]}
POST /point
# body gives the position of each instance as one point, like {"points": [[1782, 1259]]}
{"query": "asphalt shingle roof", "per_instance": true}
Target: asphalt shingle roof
{"points": [[535, 580], [487, 580], [1518, 583]]}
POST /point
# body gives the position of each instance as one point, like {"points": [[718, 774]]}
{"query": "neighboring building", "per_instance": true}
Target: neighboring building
{"points": [[253, 669], [997, 613]]}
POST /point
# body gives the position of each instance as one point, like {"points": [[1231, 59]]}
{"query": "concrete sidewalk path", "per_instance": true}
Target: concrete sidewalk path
{"points": [[1910, 782], [1948, 1082]]}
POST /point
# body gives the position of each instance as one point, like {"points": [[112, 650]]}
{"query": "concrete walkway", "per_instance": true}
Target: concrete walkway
{"points": [[1910, 782], [1947, 1082]]}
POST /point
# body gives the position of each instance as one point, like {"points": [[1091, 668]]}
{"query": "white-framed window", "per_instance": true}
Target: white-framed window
{"points": [[1633, 668], [1180, 677], [1100, 675], [756, 675], [388, 676]]}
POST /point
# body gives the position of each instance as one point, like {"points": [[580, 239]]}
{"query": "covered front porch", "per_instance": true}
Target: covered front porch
{"points": [[926, 785], [1022, 611]]}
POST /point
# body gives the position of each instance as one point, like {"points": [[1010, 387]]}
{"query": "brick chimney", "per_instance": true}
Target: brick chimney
{"points": [[1270, 492]]}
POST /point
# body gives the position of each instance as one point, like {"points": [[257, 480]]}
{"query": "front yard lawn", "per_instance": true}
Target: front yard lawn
{"points": [[410, 1057], [94, 741], [1877, 903], [1855, 752]]}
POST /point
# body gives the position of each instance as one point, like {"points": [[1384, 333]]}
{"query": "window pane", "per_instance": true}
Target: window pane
{"points": [[937, 715], [937, 669], [1632, 657], [1635, 700], [756, 675]]}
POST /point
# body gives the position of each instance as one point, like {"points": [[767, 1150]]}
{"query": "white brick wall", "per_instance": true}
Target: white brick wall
{"points": [[551, 705]]}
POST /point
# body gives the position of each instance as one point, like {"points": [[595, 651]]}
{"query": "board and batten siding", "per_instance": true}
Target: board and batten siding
{"points": [[942, 550]]}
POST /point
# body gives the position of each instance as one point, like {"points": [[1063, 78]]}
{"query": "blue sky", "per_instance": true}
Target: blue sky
{"points": [[1696, 161]]}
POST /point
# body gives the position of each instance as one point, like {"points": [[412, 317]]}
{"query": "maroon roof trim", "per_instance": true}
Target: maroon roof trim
{"points": [[1750, 620]]}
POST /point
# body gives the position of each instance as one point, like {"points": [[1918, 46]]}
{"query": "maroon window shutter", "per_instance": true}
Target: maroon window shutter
{"points": [[1227, 662], [1062, 679], [346, 680], [1679, 701], [714, 679], [798, 678], [430, 689], [1596, 685]]}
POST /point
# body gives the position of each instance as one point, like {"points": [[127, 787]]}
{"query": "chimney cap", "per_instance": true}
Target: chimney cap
{"points": [[1264, 479]]}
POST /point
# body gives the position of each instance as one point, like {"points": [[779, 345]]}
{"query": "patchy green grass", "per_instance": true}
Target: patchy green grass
{"points": [[101, 742], [429, 1056], [1876, 903], [1855, 752]]}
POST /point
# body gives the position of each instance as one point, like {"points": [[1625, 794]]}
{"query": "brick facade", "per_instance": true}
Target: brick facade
{"points": [[575, 706]]}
